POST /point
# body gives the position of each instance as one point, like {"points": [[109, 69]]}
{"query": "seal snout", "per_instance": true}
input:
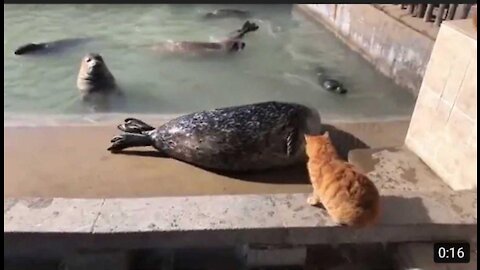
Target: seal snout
{"points": [[237, 46], [26, 48], [93, 62]]}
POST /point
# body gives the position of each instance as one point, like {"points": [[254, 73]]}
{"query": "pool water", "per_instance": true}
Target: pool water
{"points": [[278, 62]]}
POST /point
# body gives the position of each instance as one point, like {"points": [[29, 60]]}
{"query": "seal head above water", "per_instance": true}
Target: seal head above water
{"points": [[240, 138], [94, 77], [97, 85]]}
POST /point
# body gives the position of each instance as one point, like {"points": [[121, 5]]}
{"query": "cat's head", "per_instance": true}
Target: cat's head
{"points": [[317, 144]]}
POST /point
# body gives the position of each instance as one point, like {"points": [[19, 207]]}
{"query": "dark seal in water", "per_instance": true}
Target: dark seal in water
{"points": [[50, 47], [241, 138], [333, 86], [329, 84]]}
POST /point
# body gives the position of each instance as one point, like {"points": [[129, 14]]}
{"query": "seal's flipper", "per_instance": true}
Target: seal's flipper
{"points": [[134, 125], [247, 27], [128, 140], [291, 140]]}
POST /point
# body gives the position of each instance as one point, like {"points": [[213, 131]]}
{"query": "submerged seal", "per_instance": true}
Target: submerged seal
{"points": [[332, 86], [240, 138], [224, 13], [94, 80], [233, 43], [49, 47], [329, 84]]}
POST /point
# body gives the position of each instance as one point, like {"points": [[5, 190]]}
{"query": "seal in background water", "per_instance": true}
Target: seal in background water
{"points": [[50, 47], [329, 84], [227, 13], [233, 43], [95, 82], [241, 138]]}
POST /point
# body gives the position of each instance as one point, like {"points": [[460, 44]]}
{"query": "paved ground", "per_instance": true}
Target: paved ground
{"points": [[72, 161]]}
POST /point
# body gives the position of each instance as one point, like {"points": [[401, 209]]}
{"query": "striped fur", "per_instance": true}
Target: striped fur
{"points": [[349, 197]]}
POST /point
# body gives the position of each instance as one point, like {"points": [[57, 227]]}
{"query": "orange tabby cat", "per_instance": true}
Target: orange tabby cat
{"points": [[349, 197]]}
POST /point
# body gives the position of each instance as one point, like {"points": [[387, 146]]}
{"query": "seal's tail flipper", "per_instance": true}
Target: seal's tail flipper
{"points": [[247, 27], [128, 140], [133, 125]]}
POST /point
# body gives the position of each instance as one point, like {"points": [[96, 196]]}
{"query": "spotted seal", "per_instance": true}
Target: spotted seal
{"points": [[240, 138], [95, 82], [233, 43], [50, 47]]}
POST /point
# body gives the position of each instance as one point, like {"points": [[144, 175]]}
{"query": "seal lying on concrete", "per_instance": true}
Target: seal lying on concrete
{"points": [[233, 43], [328, 84], [94, 81], [241, 138], [50, 47], [227, 13]]}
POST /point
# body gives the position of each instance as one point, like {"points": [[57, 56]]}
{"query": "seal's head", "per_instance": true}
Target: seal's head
{"points": [[235, 45], [94, 75], [93, 63], [27, 48]]}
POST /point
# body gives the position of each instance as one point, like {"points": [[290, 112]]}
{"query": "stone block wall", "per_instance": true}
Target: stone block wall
{"points": [[443, 128], [395, 49]]}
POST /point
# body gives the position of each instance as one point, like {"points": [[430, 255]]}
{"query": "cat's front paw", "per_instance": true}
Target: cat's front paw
{"points": [[313, 200]]}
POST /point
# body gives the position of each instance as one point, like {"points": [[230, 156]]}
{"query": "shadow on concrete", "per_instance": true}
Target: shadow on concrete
{"points": [[344, 141], [290, 175], [142, 153], [399, 210]]}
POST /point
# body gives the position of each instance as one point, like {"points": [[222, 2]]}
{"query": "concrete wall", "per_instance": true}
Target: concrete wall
{"points": [[443, 129], [396, 50]]}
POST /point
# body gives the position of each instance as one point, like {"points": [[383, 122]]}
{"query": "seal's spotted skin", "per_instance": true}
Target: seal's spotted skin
{"points": [[241, 138]]}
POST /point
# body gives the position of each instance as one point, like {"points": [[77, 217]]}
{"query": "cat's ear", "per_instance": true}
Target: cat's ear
{"points": [[307, 137], [326, 135]]}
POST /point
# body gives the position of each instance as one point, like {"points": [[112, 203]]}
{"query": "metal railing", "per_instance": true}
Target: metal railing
{"points": [[436, 13]]}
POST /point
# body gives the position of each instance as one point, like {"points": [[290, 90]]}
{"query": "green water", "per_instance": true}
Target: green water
{"points": [[277, 64]]}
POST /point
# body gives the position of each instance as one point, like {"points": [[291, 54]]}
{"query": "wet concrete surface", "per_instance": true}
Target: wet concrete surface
{"points": [[72, 162]]}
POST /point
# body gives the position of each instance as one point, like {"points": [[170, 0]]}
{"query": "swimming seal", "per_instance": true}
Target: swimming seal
{"points": [[49, 47], [241, 138], [94, 80], [224, 13], [233, 43], [332, 86], [329, 84]]}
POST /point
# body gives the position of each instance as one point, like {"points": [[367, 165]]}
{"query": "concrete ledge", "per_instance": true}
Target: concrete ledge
{"points": [[400, 169], [214, 221]]}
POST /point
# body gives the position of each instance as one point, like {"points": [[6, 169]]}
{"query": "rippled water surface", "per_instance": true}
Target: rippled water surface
{"points": [[278, 62]]}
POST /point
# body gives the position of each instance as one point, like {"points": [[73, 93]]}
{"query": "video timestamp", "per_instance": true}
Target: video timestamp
{"points": [[451, 252]]}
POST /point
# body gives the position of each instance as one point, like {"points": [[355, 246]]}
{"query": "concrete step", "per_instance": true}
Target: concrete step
{"points": [[417, 207], [420, 256], [217, 221]]}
